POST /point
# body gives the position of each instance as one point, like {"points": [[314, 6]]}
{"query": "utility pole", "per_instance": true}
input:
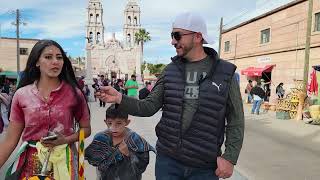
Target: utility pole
{"points": [[89, 78], [303, 94], [0, 35], [235, 49], [220, 35], [17, 24], [18, 43], [307, 47]]}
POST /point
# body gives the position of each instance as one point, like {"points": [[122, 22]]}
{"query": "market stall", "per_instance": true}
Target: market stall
{"points": [[287, 107]]}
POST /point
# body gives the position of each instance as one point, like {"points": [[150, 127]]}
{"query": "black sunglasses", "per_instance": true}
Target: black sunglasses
{"points": [[178, 35]]}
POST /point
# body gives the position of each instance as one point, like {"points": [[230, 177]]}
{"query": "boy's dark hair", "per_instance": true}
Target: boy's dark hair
{"points": [[112, 112], [119, 80]]}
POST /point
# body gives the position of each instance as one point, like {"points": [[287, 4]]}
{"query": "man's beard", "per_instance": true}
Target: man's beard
{"points": [[185, 49]]}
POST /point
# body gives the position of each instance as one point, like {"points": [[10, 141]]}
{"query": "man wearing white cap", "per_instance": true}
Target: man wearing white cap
{"points": [[201, 102]]}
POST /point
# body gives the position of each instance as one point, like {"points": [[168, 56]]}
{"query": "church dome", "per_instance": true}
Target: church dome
{"points": [[113, 39]]}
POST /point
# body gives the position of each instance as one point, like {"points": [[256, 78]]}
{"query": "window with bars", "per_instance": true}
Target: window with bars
{"points": [[23, 51], [265, 36], [317, 22], [227, 46]]}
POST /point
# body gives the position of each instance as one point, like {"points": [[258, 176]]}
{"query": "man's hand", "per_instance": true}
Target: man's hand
{"points": [[109, 94], [224, 169], [123, 148]]}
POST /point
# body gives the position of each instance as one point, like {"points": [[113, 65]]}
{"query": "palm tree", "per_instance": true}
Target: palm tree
{"points": [[141, 37]]}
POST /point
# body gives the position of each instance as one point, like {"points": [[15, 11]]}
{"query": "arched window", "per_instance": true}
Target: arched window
{"points": [[90, 37], [98, 37], [91, 18], [97, 18], [129, 19], [135, 21], [129, 38]]}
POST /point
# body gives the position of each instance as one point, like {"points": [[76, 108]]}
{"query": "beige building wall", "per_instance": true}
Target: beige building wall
{"points": [[286, 46], [8, 53]]}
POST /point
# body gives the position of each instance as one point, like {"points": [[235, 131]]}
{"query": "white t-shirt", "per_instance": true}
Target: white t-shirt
{"points": [[256, 98]]}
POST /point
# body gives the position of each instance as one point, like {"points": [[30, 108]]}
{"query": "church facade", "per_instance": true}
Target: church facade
{"points": [[113, 58]]}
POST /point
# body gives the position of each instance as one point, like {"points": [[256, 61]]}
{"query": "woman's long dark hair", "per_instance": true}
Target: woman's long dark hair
{"points": [[32, 72]]}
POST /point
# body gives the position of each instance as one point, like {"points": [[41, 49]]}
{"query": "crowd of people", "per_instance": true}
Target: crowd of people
{"points": [[128, 87], [201, 110], [7, 89], [259, 91]]}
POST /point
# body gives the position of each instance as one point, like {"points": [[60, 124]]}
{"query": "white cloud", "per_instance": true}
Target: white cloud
{"points": [[65, 19], [261, 7], [54, 19], [7, 26]]}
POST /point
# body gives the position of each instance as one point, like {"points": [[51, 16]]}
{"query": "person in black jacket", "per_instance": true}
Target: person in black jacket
{"points": [[280, 91], [144, 92], [258, 96], [201, 102], [119, 86]]}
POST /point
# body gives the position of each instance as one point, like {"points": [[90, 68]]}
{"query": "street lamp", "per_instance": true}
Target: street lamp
{"points": [[110, 63], [88, 78]]}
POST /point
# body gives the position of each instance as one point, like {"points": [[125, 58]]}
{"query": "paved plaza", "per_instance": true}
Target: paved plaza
{"points": [[273, 149]]}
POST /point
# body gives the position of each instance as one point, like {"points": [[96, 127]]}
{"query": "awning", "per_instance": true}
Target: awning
{"points": [[9, 74], [317, 67], [257, 71]]}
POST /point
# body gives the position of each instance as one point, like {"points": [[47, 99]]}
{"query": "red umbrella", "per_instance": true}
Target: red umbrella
{"points": [[313, 84]]}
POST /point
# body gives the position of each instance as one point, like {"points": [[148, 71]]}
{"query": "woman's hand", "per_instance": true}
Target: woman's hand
{"points": [[52, 143]]}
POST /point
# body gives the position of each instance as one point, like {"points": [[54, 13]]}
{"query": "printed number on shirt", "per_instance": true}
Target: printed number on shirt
{"points": [[191, 92]]}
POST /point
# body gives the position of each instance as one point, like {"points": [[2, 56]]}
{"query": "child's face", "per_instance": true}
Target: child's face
{"points": [[117, 126]]}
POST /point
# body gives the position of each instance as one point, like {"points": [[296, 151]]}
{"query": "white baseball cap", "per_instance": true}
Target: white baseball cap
{"points": [[193, 22]]}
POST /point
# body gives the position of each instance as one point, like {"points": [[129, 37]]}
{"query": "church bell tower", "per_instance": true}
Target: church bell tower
{"points": [[131, 22], [95, 28]]}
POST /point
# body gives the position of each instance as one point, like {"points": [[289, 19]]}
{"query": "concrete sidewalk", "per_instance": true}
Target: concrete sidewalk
{"points": [[273, 146], [296, 128]]}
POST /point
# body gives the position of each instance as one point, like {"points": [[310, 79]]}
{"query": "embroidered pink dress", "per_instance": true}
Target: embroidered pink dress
{"points": [[39, 117]]}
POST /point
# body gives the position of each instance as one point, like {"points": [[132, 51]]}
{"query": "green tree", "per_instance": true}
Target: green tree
{"points": [[158, 68], [143, 66], [153, 68]]}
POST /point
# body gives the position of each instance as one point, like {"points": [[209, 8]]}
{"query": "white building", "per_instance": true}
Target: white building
{"points": [[113, 58]]}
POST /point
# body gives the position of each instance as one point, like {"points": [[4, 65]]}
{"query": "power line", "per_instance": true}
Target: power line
{"points": [[244, 13], [264, 3]]}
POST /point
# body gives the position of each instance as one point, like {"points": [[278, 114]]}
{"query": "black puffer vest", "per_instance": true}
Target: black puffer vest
{"points": [[200, 144]]}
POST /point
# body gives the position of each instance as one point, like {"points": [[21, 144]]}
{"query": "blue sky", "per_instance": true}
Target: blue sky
{"points": [[65, 20]]}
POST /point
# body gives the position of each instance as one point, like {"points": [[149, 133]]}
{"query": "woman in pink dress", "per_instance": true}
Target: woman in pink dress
{"points": [[47, 100]]}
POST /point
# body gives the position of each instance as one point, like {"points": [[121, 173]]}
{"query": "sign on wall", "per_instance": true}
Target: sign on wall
{"points": [[263, 59]]}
